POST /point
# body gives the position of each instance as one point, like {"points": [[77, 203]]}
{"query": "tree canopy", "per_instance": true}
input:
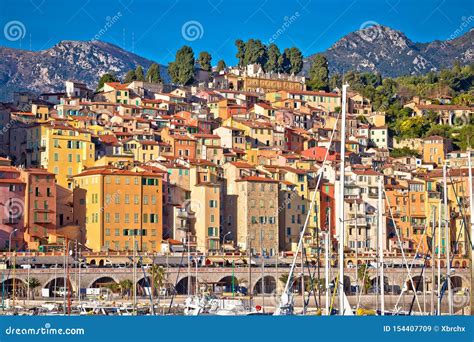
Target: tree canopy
{"points": [[204, 61], [319, 73], [181, 70], [105, 78], [153, 74]]}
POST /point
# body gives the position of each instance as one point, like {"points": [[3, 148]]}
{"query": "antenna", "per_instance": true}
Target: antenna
{"points": [[133, 42]]}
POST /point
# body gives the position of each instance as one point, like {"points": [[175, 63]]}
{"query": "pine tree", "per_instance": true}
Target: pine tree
{"points": [[221, 65], [181, 70], [139, 73], [105, 78], [153, 74], [319, 73], [204, 61], [273, 57], [130, 76]]}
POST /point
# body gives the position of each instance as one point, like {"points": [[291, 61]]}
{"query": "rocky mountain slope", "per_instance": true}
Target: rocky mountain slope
{"points": [[46, 70], [391, 53]]}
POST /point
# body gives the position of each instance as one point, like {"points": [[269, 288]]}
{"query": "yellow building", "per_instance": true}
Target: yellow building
{"points": [[100, 197], [116, 92], [66, 151], [435, 149]]}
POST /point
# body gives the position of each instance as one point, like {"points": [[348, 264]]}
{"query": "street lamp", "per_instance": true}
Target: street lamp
{"points": [[10, 240], [223, 240]]}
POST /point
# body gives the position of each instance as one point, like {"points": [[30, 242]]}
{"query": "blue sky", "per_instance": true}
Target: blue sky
{"points": [[157, 28]]}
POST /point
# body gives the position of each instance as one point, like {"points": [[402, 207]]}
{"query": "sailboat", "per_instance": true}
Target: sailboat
{"points": [[286, 305]]}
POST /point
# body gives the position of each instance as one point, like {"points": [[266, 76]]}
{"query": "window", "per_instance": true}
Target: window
{"points": [[117, 218], [213, 204], [117, 231], [107, 232]]}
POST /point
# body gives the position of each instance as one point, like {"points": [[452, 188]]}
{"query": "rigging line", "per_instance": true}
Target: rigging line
{"points": [[148, 284], [463, 223], [422, 271], [176, 282], [448, 276], [401, 248], [468, 233], [311, 279], [417, 286], [320, 172], [363, 286]]}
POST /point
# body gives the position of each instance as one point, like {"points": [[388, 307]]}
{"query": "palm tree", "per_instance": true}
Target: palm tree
{"points": [[125, 287], [33, 283], [113, 287], [158, 275], [284, 277], [362, 273]]}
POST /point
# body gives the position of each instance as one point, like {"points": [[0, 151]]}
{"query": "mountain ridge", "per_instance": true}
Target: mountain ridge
{"points": [[391, 53], [376, 48]]}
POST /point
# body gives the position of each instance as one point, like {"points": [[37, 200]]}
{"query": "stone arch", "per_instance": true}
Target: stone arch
{"points": [[142, 284], [103, 282], [269, 285], [346, 284], [184, 283], [55, 285], [417, 283], [457, 282], [374, 281], [7, 284], [92, 262], [227, 280], [350, 262]]}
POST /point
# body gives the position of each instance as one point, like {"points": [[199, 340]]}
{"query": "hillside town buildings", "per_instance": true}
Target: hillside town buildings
{"points": [[230, 167]]}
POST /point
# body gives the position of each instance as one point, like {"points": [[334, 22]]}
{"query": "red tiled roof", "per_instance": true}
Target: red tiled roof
{"points": [[257, 179]]}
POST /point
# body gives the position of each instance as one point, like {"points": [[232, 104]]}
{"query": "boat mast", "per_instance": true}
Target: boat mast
{"points": [[448, 239], [326, 262], [381, 248], [471, 190], [340, 221], [439, 258]]}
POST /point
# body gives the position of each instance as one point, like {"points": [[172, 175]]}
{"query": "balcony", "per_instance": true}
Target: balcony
{"points": [[42, 220], [183, 214], [360, 223], [10, 221], [418, 226], [373, 193]]}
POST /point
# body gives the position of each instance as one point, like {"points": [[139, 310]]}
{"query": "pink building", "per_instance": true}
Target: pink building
{"points": [[40, 206], [12, 208]]}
